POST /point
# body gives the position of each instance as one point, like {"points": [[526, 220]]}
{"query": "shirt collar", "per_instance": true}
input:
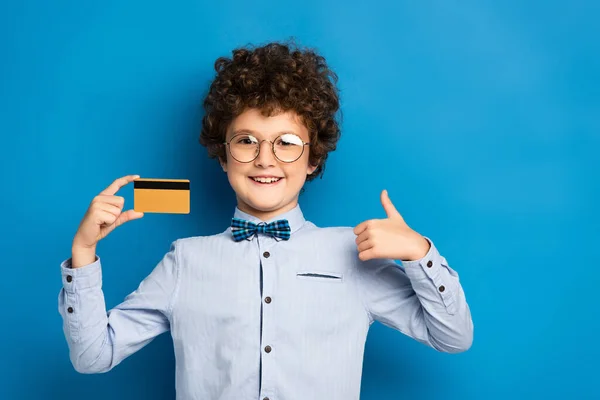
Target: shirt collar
{"points": [[294, 216]]}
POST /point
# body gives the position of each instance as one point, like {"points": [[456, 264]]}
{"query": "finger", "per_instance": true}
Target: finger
{"points": [[366, 235], [366, 255], [118, 184], [118, 201], [365, 245], [108, 224], [389, 208], [127, 216], [360, 228], [111, 208], [105, 218]]}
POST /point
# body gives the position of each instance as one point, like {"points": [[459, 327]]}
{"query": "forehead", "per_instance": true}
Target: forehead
{"points": [[252, 121]]}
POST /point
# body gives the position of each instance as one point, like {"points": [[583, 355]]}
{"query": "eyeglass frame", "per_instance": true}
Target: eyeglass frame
{"points": [[227, 144]]}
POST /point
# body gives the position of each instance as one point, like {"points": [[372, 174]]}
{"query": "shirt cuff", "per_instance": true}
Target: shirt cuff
{"points": [[85, 277], [424, 267], [433, 269]]}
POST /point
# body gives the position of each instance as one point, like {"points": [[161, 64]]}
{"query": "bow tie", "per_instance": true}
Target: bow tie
{"points": [[243, 229]]}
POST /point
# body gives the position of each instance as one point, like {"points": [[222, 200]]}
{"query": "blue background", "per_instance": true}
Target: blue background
{"points": [[481, 118]]}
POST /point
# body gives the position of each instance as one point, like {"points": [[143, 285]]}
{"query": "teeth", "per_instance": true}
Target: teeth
{"points": [[266, 180]]}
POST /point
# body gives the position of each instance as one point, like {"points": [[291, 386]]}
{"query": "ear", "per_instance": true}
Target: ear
{"points": [[311, 169], [223, 164]]}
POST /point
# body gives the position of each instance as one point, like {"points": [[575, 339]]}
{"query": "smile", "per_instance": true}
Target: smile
{"points": [[265, 181]]}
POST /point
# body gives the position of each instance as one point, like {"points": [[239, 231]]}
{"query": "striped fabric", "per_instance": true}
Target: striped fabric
{"points": [[266, 318], [242, 229]]}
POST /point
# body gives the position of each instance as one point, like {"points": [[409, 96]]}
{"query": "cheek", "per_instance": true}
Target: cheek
{"points": [[239, 174], [233, 167], [234, 172], [297, 173]]}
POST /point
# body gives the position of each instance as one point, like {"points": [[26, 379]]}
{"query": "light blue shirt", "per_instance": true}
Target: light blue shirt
{"points": [[265, 318]]}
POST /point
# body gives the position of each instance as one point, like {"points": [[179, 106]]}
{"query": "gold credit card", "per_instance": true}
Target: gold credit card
{"points": [[170, 196]]}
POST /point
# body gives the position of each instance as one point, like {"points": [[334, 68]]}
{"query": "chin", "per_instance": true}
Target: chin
{"points": [[265, 205]]}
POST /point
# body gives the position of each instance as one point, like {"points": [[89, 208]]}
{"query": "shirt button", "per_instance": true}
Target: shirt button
{"points": [[69, 278], [267, 300], [266, 254], [70, 310], [442, 288], [429, 263], [268, 349]]}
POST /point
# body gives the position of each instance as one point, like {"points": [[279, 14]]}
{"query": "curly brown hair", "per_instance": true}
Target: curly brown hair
{"points": [[276, 77]]}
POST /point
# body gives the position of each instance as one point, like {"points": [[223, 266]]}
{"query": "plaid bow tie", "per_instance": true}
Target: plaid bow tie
{"points": [[243, 229]]}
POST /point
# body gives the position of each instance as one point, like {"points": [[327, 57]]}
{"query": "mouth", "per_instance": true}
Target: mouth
{"points": [[265, 181]]}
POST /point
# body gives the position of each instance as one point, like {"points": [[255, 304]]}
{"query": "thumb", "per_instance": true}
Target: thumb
{"points": [[127, 216], [124, 217], [389, 208]]}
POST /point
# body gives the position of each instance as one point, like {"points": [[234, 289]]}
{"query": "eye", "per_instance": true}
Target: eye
{"points": [[289, 139], [245, 140]]}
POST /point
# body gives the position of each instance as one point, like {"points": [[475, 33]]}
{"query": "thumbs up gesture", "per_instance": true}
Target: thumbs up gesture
{"points": [[390, 237]]}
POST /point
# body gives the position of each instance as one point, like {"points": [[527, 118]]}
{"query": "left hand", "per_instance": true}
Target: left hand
{"points": [[390, 237]]}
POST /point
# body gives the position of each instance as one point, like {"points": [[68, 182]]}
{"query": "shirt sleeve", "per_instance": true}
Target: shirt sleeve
{"points": [[425, 300], [99, 340]]}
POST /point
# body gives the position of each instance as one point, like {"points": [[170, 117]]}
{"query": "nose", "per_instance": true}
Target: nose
{"points": [[265, 158]]}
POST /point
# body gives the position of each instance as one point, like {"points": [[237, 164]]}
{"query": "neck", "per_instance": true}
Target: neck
{"points": [[265, 215]]}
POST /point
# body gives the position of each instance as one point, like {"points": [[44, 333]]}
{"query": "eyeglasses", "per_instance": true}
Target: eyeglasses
{"points": [[287, 148]]}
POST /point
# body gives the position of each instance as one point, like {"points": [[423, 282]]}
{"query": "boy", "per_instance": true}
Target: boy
{"points": [[273, 307]]}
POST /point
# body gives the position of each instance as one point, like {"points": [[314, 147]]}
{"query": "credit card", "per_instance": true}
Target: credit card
{"points": [[170, 196]]}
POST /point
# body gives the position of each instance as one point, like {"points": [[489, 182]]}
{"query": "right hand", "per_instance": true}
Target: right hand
{"points": [[103, 215]]}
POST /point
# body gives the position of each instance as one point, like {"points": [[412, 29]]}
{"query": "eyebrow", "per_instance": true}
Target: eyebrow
{"points": [[251, 132]]}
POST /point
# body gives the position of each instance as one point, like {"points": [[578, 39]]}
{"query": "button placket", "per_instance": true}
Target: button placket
{"points": [[268, 256], [72, 319], [69, 295], [268, 275], [434, 271]]}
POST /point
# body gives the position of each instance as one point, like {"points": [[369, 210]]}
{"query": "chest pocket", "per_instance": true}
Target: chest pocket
{"points": [[320, 276], [321, 300]]}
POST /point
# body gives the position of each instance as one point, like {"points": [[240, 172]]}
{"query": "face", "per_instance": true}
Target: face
{"points": [[270, 197]]}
